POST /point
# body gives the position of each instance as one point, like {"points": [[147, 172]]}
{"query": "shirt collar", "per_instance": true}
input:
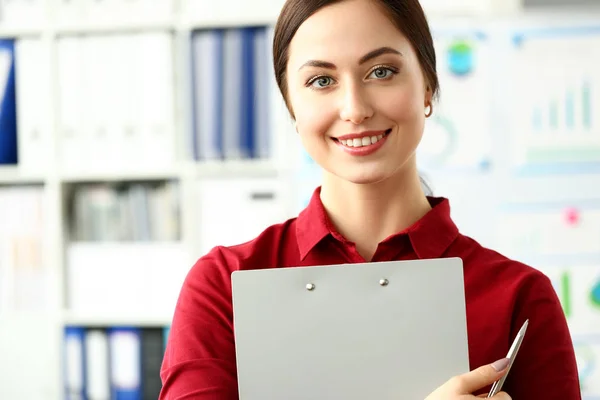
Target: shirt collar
{"points": [[429, 237]]}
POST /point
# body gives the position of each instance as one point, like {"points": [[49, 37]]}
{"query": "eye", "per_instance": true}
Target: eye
{"points": [[383, 72], [320, 82]]}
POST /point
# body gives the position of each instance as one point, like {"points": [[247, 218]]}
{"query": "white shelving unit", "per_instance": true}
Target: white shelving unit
{"points": [[41, 374], [45, 380]]}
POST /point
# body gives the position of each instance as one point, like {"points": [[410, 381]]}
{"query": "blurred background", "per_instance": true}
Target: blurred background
{"points": [[119, 166]]}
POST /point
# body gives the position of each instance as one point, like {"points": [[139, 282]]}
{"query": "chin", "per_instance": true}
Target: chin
{"points": [[363, 177]]}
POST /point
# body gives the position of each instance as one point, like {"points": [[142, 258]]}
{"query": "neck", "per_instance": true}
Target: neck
{"points": [[366, 214]]}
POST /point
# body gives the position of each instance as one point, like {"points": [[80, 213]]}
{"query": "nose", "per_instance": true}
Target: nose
{"points": [[356, 106]]}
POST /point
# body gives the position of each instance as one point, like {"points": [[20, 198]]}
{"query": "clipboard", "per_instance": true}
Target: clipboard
{"points": [[386, 330]]}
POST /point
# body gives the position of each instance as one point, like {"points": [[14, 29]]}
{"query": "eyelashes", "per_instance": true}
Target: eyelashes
{"points": [[324, 81]]}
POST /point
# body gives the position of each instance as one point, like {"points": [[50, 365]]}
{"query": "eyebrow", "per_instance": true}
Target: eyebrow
{"points": [[369, 56]]}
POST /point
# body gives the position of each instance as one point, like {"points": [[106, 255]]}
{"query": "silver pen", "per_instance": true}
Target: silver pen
{"points": [[512, 353]]}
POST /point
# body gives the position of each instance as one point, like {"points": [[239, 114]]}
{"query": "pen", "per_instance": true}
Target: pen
{"points": [[512, 353]]}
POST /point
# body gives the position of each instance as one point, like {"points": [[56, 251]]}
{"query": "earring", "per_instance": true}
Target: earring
{"points": [[428, 113]]}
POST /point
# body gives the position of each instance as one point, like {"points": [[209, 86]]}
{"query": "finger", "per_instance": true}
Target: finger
{"points": [[502, 396], [480, 377]]}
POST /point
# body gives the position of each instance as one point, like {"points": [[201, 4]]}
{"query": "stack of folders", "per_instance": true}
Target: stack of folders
{"points": [[116, 102], [135, 211], [232, 86], [115, 363], [24, 277], [8, 117]]}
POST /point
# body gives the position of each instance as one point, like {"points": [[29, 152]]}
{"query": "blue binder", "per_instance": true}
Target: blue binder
{"points": [[8, 109], [247, 91], [128, 387], [207, 81], [75, 362]]}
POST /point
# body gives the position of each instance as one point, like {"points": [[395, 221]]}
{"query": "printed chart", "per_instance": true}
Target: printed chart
{"points": [[457, 135], [557, 100], [563, 242]]}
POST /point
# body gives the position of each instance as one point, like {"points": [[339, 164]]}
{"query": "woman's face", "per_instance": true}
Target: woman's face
{"points": [[357, 92]]}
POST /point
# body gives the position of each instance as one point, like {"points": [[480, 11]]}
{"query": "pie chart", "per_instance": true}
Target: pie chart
{"points": [[439, 141]]}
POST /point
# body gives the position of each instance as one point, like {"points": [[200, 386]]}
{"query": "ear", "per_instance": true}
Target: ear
{"points": [[428, 96]]}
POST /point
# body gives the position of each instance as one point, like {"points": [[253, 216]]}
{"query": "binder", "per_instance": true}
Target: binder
{"points": [[97, 365], [71, 104], [238, 93], [207, 80], [8, 112], [263, 82], [33, 96], [387, 331], [151, 358], [125, 363], [75, 362]]}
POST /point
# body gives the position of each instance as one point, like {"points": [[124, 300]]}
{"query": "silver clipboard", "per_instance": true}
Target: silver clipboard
{"points": [[388, 330]]}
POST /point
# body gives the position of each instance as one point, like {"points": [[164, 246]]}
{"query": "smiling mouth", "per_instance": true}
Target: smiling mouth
{"points": [[364, 141]]}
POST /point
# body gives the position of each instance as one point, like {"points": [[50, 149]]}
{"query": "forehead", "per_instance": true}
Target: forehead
{"points": [[345, 31]]}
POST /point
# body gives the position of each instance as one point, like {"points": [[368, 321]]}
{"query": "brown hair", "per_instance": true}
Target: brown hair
{"points": [[407, 15]]}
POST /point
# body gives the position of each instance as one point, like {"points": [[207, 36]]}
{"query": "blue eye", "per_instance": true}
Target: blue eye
{"points": [[382, 73], [320, 81]]}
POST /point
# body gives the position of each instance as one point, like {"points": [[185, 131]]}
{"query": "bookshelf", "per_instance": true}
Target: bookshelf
{"points": [[178, 19], [56, 181]]}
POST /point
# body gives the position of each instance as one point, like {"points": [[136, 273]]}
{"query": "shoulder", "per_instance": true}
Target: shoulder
{"points": [[493, 270]]}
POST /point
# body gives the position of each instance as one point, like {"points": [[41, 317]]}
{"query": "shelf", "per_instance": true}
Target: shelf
{"points": [[227, 23], [12, 175], [121, 175], [109, 320], [14, 32], [115, 26], [235, 169]]}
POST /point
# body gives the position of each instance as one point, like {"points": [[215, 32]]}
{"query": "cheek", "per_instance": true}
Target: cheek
{"points": [[405, 106], [314, 117]]}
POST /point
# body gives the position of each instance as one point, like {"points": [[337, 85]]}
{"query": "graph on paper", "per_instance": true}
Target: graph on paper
{"points": [[457, 135], [556, 105], [563, 241]]}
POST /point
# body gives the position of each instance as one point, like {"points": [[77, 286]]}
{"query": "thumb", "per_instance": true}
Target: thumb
{"points": [[481, 377]]}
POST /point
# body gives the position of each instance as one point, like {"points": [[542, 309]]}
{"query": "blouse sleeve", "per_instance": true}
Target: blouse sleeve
{"points": [[545, 367], [199, 361]]}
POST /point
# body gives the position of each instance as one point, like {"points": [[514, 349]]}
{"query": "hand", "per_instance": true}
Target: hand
{"points": [[461, 387]]}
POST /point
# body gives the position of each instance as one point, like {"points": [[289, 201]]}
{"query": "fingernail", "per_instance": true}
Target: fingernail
{"points": [[500, 365]]}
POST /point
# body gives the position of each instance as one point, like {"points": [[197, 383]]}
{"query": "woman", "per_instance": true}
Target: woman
{"points": [[359, 79]]}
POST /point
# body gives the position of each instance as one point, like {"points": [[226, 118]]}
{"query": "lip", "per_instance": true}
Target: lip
{"points": [[363, 150]]}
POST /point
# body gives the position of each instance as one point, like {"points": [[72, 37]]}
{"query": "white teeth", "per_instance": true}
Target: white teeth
{"points": [[359, 142]]}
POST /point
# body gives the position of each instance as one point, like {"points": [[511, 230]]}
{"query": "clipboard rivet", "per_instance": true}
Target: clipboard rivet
{"points": [[310, 286], [383, 282]]}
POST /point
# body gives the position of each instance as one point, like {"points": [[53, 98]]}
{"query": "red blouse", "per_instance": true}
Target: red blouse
{"points": [[501, 294]]}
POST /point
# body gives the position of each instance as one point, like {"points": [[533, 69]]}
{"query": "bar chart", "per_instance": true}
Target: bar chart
{"points": [[556, 101]]}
